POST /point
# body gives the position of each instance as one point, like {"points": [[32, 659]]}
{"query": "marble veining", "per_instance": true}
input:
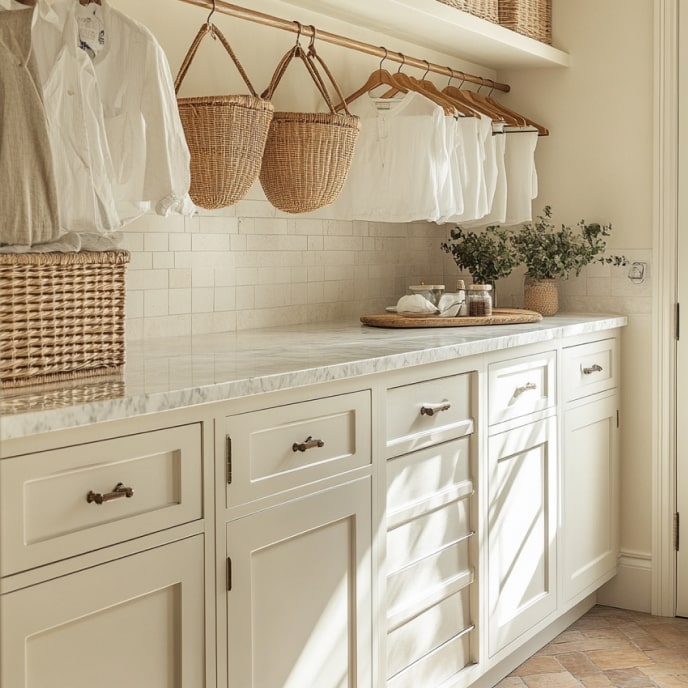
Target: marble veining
{"points": [[178, 372]]}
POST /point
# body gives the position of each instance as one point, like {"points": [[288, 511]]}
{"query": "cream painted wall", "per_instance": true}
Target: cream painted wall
{"points": [[597, 165]]}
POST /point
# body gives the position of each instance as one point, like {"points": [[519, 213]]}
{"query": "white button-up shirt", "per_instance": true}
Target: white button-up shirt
{"points": [[117, 141]]}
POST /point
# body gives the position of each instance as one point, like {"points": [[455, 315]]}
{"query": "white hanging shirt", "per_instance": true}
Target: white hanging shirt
{"points": [[475, 203], [115, 132], [401, 163], [145, 135], [522, 182], [496, 176]]}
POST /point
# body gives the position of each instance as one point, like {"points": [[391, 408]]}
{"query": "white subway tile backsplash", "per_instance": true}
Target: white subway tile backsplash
{"points": [[251, 266]]}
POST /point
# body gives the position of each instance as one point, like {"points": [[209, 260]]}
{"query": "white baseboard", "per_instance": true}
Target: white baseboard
{"points": [[631, 588]]}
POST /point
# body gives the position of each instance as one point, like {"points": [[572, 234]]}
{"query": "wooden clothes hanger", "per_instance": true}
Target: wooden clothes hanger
{"points": [[542, 130], [470, 100], [380, 77], [418, 86]]}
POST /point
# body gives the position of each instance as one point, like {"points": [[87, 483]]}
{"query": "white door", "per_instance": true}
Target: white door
{"points": [[682, 353]]}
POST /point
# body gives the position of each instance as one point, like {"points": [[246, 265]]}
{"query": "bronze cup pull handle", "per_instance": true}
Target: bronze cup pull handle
{"points": [[432, 409], [119, 491], [308, 443]]}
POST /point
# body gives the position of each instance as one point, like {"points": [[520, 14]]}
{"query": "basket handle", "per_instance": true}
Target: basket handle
{"points": [[298, 51], [211, 29], [312, 54]]}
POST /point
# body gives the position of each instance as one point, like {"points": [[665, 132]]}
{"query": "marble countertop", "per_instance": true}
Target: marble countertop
{"points": [[178, 372]]}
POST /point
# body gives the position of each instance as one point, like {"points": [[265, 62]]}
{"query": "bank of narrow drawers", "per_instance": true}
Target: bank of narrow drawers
{"points": [[64, 502], [429, 531]]}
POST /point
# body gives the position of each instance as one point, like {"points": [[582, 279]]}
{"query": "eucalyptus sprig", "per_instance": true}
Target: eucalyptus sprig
{"points": [[486, 256], [549, 252]]}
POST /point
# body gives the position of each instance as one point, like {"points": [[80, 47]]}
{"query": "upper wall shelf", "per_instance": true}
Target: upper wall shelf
{"points": [[444, 28]]}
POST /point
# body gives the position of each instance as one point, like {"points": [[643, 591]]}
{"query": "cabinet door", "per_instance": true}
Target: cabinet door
{"points": [[299, 608], [522, 530], [590, 494], [136, 621]]}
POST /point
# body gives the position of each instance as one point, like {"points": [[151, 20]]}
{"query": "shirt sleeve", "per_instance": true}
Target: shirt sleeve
{"points": [[167, 176]]}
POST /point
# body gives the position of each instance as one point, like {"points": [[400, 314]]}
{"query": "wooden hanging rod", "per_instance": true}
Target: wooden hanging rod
{"points": [[307, 31]]}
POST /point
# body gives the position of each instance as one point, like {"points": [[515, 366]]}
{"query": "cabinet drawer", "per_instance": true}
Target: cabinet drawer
{"points": [[45, 510], [590, 368], [427, 479], [284, 447], [521, 386], [428, 631], [426, 413], [426, 535]]}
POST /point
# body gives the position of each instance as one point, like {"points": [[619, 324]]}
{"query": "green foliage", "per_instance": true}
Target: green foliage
{"points": [[486, 256], [548, 252]]}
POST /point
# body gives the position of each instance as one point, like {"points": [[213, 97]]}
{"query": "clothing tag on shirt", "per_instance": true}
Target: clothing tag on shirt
{"points": [[91, 34]]}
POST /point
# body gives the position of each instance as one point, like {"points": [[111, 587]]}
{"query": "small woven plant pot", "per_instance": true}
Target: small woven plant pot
{"points": [[485, 9], [307, 155], [225, 134], [532, 18], [541, 296], [61, 316]]}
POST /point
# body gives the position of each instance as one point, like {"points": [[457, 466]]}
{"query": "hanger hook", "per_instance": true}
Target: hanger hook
{"points": [[300, 31], [210, 16], [311, 44], [451, 76], [482, 83], [492, 87], [384, 57], [403, 62], [427, 70]]}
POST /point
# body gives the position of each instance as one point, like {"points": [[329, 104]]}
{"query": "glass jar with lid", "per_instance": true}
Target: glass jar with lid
{"points": [[479, 300]]}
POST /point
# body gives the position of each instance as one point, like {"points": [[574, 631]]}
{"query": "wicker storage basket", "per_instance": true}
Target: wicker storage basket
{"points": [[307, 155], [61, 316], [531, 18], [225, 135], [485, 9]]}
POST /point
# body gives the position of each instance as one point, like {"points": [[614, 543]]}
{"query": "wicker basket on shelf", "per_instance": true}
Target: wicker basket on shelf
{"points": [[532, 18], [61, 316], [485, 9]]}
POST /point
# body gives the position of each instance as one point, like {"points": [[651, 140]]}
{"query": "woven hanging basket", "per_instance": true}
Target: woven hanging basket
{"points": [[225, 135], [61, 316], [485, 9], [541, 296], [307, 155]]}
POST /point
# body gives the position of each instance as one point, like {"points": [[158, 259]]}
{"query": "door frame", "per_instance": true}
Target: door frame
{"points": [[665, 239]]}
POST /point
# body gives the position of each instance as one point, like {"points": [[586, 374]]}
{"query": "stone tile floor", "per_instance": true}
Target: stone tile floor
{"points": [[610, 647]]}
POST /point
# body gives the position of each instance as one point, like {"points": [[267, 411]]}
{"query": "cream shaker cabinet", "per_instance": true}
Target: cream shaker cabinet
{"points": [[522, 496], [431, 549], [298, 599], [104, 576], [590, 475], [409, 528], [136, 621]]}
